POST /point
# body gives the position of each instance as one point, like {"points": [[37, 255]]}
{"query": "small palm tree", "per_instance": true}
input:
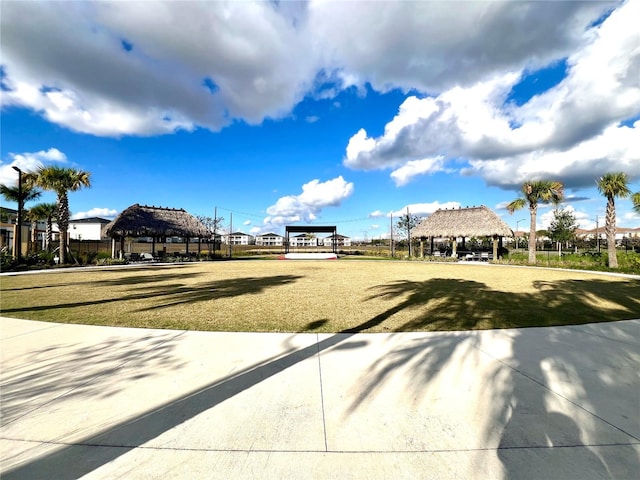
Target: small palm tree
{"points": [[47, 212], [612, 185], [535, 192], [61, 181], [13, 193], [635, 198]]}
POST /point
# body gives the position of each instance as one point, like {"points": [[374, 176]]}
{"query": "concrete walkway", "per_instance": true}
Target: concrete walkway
{"points": [[105, 403]]}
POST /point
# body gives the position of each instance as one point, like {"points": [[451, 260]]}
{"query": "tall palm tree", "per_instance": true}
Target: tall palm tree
{"points": [[47, 212], [535, 192], [61, 181], [612, 185], [635, 198]]}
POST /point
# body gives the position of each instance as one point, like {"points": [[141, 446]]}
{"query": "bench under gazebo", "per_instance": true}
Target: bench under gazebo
{"points": [[155, 222], [465, 223]]}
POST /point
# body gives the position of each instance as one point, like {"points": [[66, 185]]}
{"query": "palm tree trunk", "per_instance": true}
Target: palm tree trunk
{"points": [[533, 212], [49, 234], [610, 231], [63, 225]]}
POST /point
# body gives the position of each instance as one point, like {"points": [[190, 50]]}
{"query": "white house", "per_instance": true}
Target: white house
{"points": [[303, 240], [270, 240], [341, 241], [239, 238], [88, 229]]}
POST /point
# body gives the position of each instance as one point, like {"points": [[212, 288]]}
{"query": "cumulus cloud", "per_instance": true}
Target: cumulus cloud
{"points": [[306, 206], [139, 68], [574, 131], [96, 212], [28, 162], [118, 68], [413, 168]]}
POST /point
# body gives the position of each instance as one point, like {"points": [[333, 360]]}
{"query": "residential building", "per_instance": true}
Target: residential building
{"points": [[239, 238], [340, 241], [270, 240], [88, 229], [303, 240]]}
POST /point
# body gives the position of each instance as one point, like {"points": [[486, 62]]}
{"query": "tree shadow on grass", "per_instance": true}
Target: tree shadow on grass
{"points": [[166, 295]]}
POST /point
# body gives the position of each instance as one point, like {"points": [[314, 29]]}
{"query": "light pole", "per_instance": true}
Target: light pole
{"points": [[18, 251], [517, 239]]}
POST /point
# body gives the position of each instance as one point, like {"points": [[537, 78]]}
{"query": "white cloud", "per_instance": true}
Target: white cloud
{"points": [[306, 206], [246, 222], [572, 131], [69, 61], [424, 209], [28, 162], [142, 68], [377, 214], [96, 212], [413, 168]]}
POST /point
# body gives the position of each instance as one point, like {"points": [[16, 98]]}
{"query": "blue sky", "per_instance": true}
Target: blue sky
{"points": [[338, 113]]}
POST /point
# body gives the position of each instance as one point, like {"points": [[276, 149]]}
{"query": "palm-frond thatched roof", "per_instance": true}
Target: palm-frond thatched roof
{"points": [[462, 222], [145, 221]]}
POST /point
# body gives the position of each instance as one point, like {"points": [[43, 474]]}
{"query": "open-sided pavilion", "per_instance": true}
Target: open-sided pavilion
{"points": [[463, 222], [155, 222]]}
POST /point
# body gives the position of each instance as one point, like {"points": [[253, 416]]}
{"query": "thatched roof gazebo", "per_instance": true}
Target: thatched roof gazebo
{"points": [[157, 223], [463, 222]]}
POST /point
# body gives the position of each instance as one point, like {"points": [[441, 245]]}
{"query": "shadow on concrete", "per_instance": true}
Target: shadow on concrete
{"points": [[515, 403], [71, 371], [547, 369]]}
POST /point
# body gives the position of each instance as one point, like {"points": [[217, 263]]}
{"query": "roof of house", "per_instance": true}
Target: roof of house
{"points": [[90, 220], [239, 234], [269, 235], [337, 236], [462, 222], [144, 221]]}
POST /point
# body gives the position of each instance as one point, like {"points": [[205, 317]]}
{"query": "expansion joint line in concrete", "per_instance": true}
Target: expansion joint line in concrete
{"points": [[324, 421], [302, 451]]}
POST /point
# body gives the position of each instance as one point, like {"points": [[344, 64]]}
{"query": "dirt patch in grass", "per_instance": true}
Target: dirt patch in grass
{"points": [[321, 296]]}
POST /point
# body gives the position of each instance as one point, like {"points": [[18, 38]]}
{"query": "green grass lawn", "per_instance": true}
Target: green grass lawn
{"points": [[320, 296]]}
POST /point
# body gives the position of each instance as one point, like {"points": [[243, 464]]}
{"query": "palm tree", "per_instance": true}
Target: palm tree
{"points": [[535, 192], [635, 198], [15, 193], [47, 212], [612, 185], [12, 193], [61, 181]]}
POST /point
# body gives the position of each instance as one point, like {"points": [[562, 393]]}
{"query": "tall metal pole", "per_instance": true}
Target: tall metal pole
{"points": [[409, 231], [393, 252], [230, 232], [18, 251]]}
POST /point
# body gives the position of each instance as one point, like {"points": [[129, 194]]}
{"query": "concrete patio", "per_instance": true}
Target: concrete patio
{"points": [[104, 403]]}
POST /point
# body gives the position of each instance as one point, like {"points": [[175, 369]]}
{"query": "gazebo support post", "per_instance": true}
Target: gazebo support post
{"points": [[153, 246], [187, 247], [121, 254], [421, 247], [432, 242], [495, 247], [454, 247]]}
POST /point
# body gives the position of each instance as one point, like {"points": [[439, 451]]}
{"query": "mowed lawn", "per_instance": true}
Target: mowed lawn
{"points": [[320, 296]]}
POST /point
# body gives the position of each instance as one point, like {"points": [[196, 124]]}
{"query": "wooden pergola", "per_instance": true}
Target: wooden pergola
{"points": [[157, 223], [463, 222]]}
